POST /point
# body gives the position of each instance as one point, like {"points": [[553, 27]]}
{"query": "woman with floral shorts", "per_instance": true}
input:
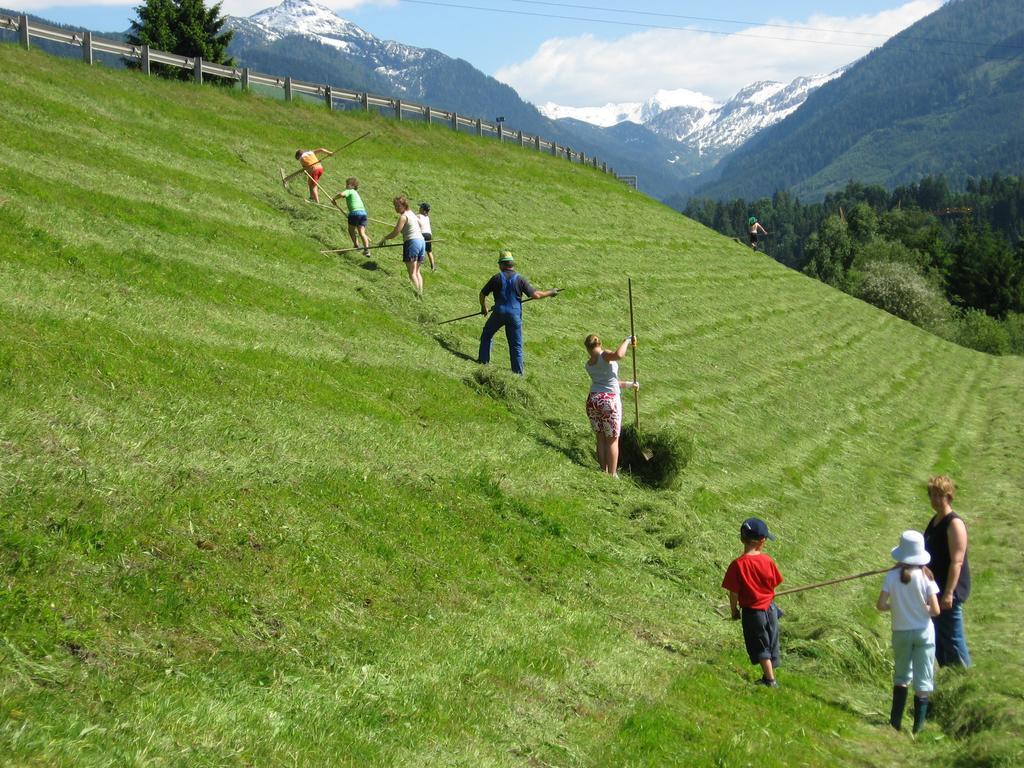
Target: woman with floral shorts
{"points": [[605, 413], [604, 406]]}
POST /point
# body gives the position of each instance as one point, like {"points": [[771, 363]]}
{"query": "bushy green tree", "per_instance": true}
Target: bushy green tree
{"points": [[986, 274], [184, 27], [862, 223], [830, 252], [977, 330]]}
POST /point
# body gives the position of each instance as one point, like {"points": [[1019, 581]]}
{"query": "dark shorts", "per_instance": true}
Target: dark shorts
{"points": [[427, 237], [357, 219], [753, 238], [413, 250], [761, 634]]}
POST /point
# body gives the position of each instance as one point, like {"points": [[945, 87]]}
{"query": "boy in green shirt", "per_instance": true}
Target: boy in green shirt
{"points": [[357, 216]]}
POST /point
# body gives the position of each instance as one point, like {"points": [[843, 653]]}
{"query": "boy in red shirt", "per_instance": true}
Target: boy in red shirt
{"points": [[751, 580]]}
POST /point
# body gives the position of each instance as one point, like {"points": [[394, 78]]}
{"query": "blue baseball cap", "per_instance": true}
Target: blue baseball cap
{"points": [[755, 528]]}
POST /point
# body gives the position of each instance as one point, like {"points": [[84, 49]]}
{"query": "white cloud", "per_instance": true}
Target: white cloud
{"points": [[583, 71], [35, 6]]}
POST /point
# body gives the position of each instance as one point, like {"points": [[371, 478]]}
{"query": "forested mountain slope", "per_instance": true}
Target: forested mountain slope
{"points": [[942, 97], [258, 508]]}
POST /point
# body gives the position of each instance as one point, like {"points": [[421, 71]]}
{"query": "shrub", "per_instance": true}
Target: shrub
{"points": [[901, 290], [669, 450], [977, 330], [1014, 325]]}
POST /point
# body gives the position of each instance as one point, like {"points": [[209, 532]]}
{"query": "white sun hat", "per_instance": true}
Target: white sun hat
{"points": [[911, 549]]}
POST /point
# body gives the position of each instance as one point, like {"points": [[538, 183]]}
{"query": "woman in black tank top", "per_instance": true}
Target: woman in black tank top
{"points": [[945, 539]]}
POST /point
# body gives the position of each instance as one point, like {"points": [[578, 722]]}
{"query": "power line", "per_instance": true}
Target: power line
{"points": [[642, 25], [795, 27], [638, 24], [632, 12]]}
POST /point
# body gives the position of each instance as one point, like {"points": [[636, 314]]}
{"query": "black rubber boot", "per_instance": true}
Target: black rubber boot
{"points": [[899, 703], [920, 712]]}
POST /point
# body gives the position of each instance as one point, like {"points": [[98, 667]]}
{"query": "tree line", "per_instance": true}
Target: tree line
{"points": [[951, 262]]}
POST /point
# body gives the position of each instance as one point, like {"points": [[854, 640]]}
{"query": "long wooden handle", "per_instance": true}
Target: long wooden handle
{"points": [[290, 176], [370, 248], [463, 317], [834, 581], [632, 344], [719, 609]]}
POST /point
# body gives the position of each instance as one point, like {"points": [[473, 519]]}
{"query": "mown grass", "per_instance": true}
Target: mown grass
{"points": [[259, 509]]}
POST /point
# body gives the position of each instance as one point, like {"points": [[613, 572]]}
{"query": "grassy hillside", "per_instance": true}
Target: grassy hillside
{"points": [[259, 509]]}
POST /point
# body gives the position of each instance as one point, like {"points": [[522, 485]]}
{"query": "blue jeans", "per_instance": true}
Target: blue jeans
{"points": [[513, 325], [950, 642]]}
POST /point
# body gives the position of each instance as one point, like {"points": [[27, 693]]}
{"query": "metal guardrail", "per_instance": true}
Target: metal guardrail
{"points": [[246, 78]]}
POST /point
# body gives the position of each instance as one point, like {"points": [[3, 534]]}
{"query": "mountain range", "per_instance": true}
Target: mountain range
{"points": [[942, 97], [632, 111], [707, 131]]}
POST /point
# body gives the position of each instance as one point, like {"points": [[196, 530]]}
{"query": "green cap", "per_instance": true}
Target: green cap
{"points": [[752, 220], [505, 257]]}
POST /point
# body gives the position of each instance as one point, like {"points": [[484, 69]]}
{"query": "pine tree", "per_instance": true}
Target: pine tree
{"points": [[184, 27]]}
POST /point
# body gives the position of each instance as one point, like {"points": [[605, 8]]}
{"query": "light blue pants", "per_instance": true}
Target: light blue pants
{"points": [[914, 653]]}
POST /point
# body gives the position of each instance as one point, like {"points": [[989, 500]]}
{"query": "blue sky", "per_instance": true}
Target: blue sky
{"points": [[605, 51]]}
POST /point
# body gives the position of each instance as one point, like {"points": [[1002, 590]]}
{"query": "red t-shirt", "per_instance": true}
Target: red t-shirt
{"points": [[754, 578]]}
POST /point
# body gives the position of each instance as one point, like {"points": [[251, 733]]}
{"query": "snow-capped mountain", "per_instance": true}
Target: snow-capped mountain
{"points": [[750, 111], [633, 111], [699, 123], [303, 17], [401, 66]]}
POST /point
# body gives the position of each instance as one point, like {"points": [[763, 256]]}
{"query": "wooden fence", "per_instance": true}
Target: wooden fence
{"points": [[332, 97]]}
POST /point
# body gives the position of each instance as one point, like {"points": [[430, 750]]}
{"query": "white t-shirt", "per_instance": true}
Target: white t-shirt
{"points": [[909, 601], [604, 376], [424, 222]]}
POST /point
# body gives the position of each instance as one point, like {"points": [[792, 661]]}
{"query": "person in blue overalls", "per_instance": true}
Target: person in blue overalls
{"points": [[508, 288]]}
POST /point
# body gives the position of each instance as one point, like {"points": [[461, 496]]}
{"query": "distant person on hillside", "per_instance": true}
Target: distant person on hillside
{"points": [[413, 246], [751, 580], [755, 229], [424, 219], [507, 288], [909, 591], [357, 216], [945, 538], [310, 161], [604, 403]]}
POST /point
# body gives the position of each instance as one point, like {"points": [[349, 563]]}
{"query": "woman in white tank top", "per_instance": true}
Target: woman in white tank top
{"points": [[413, 247], [604, 405]]}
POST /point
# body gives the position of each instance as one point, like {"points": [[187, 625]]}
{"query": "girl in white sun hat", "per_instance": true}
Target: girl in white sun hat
{"points": [[909, 592]]}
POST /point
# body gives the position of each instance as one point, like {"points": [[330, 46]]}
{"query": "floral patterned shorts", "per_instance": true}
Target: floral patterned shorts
{"points": [[605, 413]]}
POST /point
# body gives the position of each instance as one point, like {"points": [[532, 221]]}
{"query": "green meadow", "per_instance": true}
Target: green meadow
{"points": [[257, 508]]}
